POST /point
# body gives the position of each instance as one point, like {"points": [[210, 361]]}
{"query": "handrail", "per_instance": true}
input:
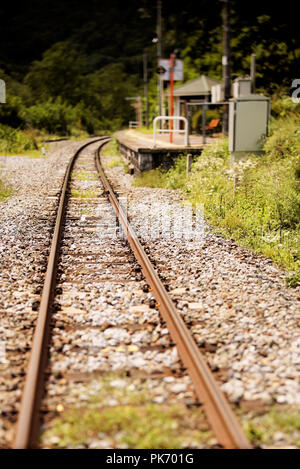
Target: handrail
{"points": [[185, 130]]}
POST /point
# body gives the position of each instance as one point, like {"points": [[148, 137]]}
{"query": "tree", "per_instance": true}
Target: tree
{"points": [[61, 72]]}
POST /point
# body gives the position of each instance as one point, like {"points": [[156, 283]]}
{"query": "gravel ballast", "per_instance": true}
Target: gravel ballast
{"points": [[243, 316], [26, 223]]}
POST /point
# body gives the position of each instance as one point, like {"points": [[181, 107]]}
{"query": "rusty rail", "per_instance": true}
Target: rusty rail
{"points": [[222, 419], [220, 415], [28, 421]]}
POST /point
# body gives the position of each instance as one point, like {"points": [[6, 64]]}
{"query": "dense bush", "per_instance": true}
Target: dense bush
{"points": [[255, 201], [285, 107], [61, 72], [15, 141], [53, 116], [10, 112], [62, 94]]}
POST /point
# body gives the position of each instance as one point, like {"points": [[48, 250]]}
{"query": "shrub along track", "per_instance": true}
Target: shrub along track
{"points": [[87, 259]]}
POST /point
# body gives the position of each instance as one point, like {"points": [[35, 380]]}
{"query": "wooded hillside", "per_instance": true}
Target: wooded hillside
{"points": [[87, 55]]}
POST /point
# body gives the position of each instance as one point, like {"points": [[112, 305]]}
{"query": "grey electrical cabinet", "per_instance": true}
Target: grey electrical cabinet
{"points": [[248, 123]]}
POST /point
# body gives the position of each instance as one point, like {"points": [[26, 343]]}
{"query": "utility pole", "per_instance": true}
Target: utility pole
{"points": [[137, 104], [172, 64], [159, 56], [145, 73], [226, 62]]}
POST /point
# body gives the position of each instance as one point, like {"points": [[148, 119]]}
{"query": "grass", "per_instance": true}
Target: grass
{"points": [[84, 176], [144, 130], [152, 178], [32, 153], [256, 201], [114, 162], [260, 428], [78, 135], [111, 148], [30, 141], [293, 280], [5, 191], [174, 178], [83, 194], [85, 212], [23, 142], [131, 421], [113, 156]]}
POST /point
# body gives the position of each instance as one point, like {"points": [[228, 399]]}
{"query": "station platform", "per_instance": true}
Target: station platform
{"points": [[138, 148]]}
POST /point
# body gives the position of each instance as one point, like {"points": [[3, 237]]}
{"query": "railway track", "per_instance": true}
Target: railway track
{"points": [[69, 267]]}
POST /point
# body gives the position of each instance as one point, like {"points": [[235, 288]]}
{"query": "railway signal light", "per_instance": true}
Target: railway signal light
{"points": [[161, 70]]}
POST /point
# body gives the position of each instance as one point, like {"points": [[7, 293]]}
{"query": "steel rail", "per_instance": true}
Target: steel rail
{"points": [[28, 421], [221, 417]]}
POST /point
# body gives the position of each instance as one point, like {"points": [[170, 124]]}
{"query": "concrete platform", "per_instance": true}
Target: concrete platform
{"points": [[138, 148]]}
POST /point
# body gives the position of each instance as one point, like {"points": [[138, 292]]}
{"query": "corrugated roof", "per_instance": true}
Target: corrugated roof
{"points": [[196, 87]]}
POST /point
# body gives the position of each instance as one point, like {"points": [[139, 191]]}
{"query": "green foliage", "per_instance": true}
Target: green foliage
{"points": [[255, 201], [285, 107], [61, 95], [152, 178], [132, 422], [53, 116], [10, 113], [61, 72], [16, 141], [83, 194], [87, 119], [66, 93], [144, 130], [112, 148], [260, 428], [84, 176], [284, 141], [293, 280], [115, 159], [110, 86], [152, 98], [174, 178], [95, 62], [146, 427], [5, 191], [209, 60]]}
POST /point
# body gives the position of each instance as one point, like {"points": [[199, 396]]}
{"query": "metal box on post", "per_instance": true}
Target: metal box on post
{"points": [[241, 87], [248, 123]]}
